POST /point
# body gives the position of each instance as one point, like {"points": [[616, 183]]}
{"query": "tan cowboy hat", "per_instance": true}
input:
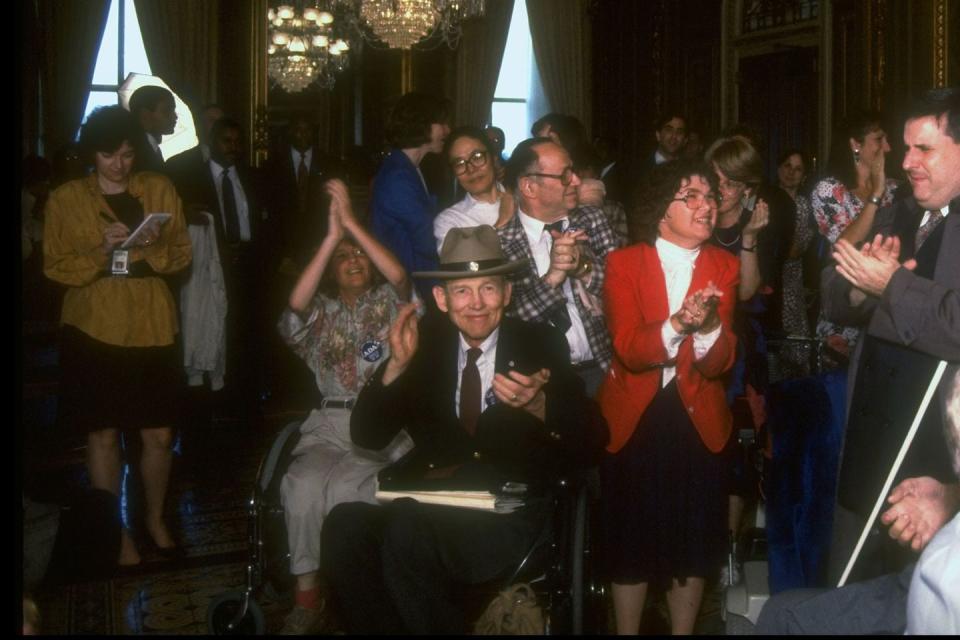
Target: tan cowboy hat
{"points": [[471, 252]]}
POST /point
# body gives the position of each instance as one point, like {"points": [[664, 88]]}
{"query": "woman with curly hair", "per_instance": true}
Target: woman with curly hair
{"points": [[669, 302]]}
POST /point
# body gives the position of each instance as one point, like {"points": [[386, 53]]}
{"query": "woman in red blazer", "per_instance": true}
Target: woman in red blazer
{"points": [[669, 304]]}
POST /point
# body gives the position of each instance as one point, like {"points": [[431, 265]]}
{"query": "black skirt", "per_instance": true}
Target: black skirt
{"points": [[664, 500], [104, 386]]}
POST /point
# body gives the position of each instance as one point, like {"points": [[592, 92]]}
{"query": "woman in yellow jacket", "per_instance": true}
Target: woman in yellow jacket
{"points": [[119, 366]]}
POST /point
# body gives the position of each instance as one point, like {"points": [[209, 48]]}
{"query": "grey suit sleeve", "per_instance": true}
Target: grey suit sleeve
{"points": [[835, 299], [921, 314]]}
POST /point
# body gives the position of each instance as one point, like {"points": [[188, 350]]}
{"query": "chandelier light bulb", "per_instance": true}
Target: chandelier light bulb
{"points": [[278, 22], [271, 15], [311, 14], [321, 41], [280, 39], [285, 12], [297, 45], [325, 17]]}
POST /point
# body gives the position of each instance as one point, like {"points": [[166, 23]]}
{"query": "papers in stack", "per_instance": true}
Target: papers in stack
{"points": [[481, 500]]}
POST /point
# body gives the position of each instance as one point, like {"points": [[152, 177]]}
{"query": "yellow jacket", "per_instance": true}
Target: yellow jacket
{"points": [[128, 312]]}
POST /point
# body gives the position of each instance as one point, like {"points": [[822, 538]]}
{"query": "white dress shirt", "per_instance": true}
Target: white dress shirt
{"points": [[469, 212], [307, 156], [243, 209], [926, 214], [677, 264], [541, 242], [485, 365]]}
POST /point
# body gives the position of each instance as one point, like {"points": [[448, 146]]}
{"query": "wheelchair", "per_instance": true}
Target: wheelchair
{"points": [[267, 570], [559, 565]]}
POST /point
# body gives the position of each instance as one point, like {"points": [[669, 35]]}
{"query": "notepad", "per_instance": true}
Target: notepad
{"points": [[151, 220]]}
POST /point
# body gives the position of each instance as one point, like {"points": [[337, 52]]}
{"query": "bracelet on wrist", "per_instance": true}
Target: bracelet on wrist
{"points": [[752, 249]]}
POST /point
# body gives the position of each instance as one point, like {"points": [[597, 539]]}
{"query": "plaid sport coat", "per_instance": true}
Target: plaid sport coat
{"points": [[533, 300]]}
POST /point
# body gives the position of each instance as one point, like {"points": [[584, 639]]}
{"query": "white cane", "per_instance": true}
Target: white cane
{"points": [[896, 467]]}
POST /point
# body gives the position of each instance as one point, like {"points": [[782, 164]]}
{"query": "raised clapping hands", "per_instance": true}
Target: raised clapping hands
{"points": [[404, 338], [921, 506], [870, 268], [522, 392], [699, 311]]}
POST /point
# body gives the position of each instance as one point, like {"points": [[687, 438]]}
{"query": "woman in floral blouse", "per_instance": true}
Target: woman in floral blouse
{"points": [[844, 203], [339, 316]]}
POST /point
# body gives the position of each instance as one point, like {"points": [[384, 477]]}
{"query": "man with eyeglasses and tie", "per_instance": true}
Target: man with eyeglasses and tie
{"points": [[903, 285], [566, 247]]}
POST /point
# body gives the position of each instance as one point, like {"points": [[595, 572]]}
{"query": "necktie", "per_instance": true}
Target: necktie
{"points": [[303, 178], [230, 218], [560, 320], [927, 228], [470, 392], [554, 226]]}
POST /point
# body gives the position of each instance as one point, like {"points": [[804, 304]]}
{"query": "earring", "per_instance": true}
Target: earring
{"points": [[856, 156]]}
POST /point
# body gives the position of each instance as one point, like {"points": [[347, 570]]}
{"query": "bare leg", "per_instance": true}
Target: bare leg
{"points": [[684, 604], [103, 465], [155, 471], [628, 600]]}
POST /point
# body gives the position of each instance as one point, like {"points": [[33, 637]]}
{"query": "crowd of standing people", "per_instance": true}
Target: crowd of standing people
{"points": [[573, 312]]}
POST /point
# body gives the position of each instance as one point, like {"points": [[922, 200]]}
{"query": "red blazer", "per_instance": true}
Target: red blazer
{"points": [[636, 307]]}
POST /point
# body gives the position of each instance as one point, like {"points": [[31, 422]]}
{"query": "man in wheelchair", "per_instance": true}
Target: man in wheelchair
{"points": [[486, 399]]}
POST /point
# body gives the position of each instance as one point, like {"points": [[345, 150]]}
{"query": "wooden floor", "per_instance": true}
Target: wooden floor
{"points": [[214, 468]]}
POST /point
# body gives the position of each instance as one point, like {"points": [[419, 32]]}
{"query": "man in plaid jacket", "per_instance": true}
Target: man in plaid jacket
{"points": [[566, 249]]}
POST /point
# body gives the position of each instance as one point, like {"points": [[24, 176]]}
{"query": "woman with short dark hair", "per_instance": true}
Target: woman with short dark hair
{"points": [[120, 368], [669, 302], [401, 209]]}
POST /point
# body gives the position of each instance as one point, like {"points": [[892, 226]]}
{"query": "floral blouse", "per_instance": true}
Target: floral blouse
{"points": [[343, 346], [834, 208]]}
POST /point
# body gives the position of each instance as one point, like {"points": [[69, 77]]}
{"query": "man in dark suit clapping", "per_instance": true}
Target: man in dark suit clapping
{"points": [[486, 399]]}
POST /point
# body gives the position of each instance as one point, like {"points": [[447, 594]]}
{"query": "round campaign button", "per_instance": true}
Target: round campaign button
{"points": [[371, 351]]}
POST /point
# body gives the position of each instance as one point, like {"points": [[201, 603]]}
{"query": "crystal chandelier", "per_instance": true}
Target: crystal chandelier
{"points": [[301, 47], [403, 23]]}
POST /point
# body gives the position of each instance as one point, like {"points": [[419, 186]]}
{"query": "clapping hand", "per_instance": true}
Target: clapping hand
{"points": [[870, 268], [404, 339], [759, 219], [522, 392], [699, 310]]}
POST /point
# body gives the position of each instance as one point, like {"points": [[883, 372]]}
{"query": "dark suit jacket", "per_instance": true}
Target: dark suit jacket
{"points": [[299, 231], [195, 184], [509, 444]]}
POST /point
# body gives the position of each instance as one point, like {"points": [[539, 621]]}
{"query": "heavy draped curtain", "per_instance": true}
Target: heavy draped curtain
{"points": [[182, 38], [68, 39], [478, 62], [560, 31]]}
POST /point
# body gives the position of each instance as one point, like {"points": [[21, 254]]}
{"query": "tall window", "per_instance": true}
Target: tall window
{"points": [[519, 99], [121, 52]]}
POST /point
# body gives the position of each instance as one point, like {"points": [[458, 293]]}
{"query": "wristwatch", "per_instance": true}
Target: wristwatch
{"points": [[874, 200]]}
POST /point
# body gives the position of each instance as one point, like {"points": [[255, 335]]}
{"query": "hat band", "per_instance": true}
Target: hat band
{"points": [[473, 265]]}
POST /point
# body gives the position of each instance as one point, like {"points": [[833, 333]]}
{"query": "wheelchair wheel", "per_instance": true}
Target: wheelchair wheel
{"points": [[224, 609]]}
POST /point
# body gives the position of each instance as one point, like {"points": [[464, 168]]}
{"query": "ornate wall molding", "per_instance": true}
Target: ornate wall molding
{"points": [[258, 123], [940, 43]]}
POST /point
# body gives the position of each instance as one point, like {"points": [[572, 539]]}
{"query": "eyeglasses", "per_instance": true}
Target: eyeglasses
{"points": [[476, 159], [694, 199], [346, 254], [565, 178]]}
